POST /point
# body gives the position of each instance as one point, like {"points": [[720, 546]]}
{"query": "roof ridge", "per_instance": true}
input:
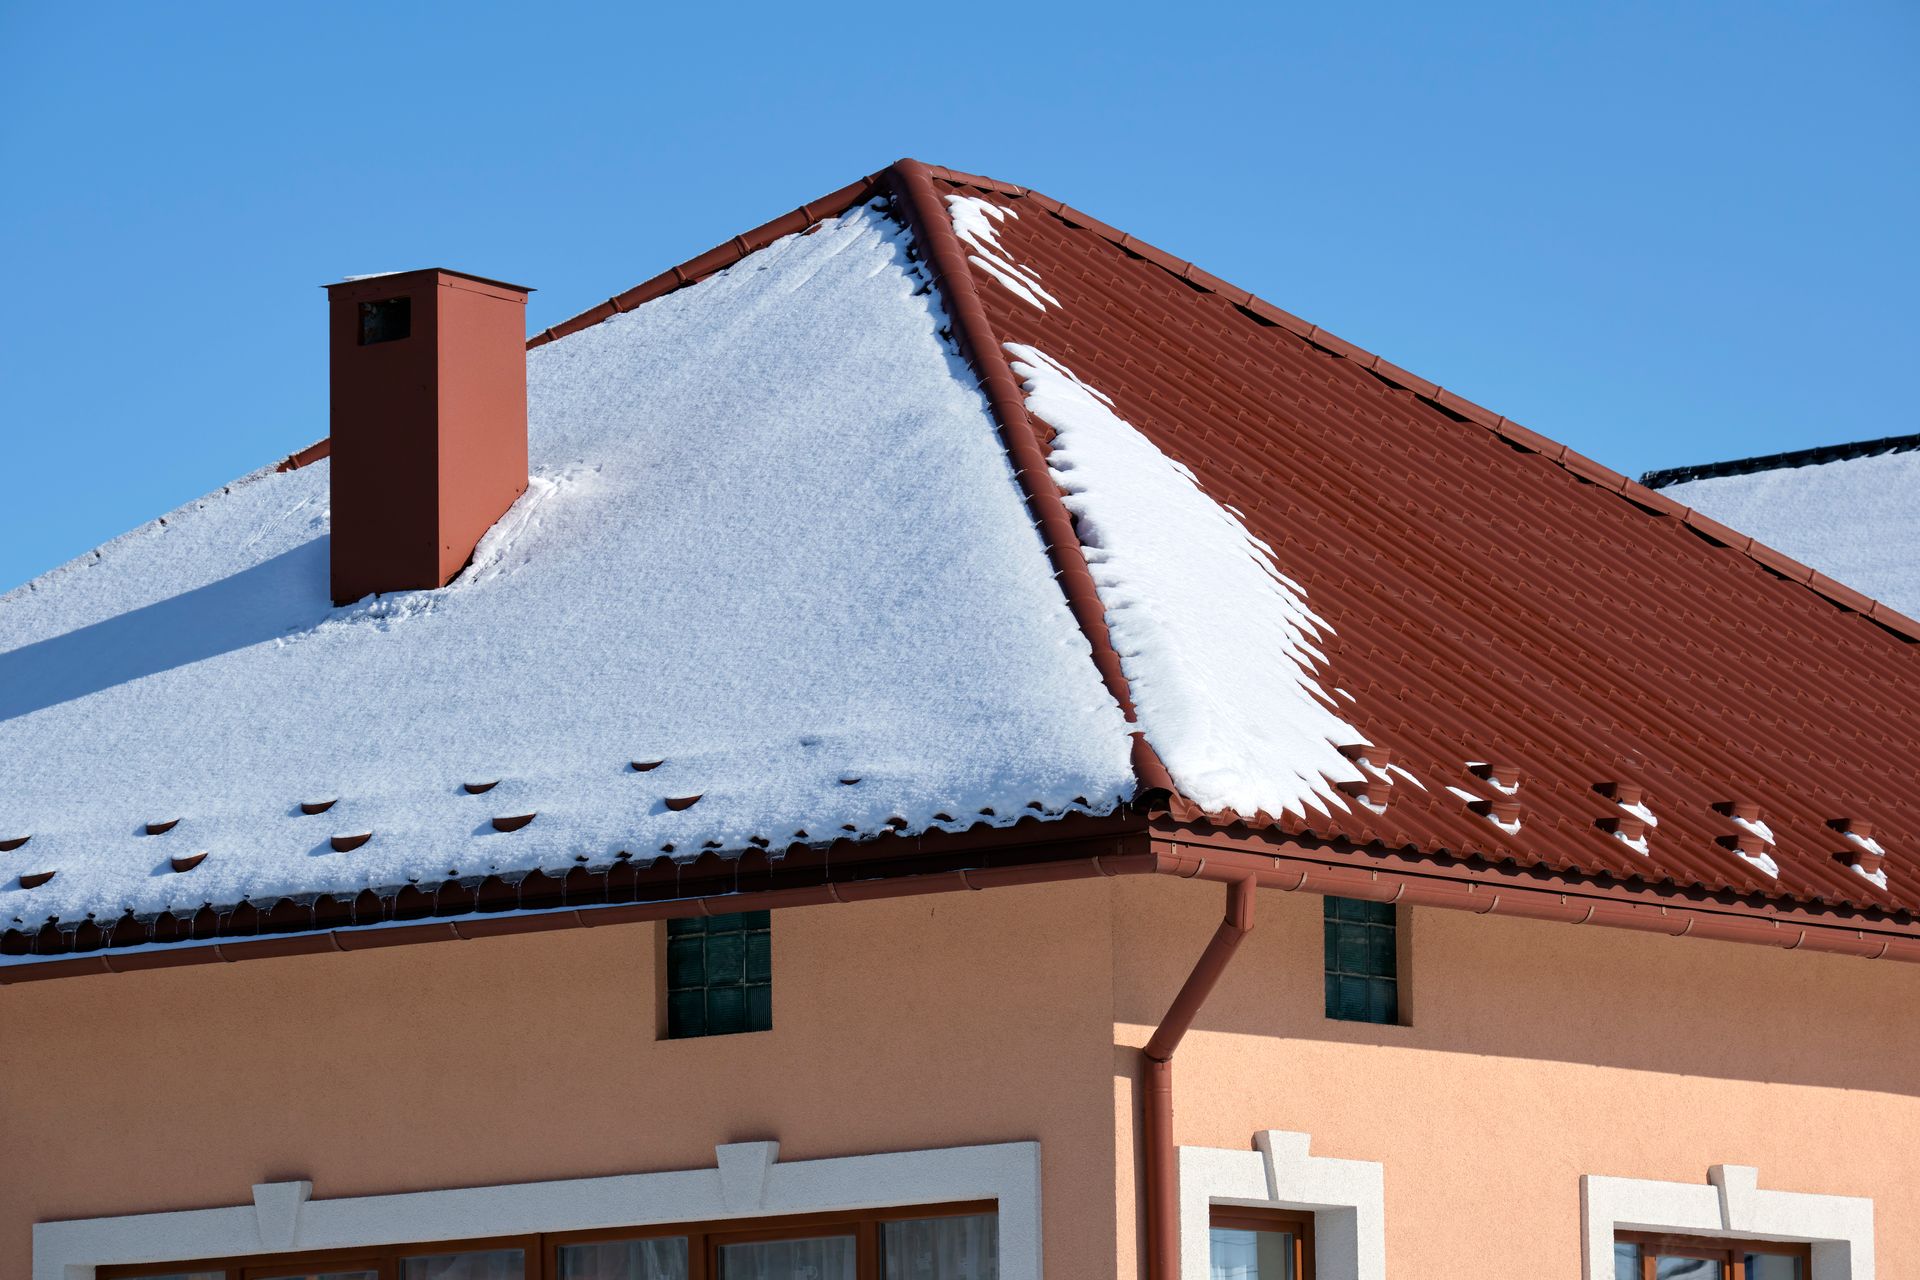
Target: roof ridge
{"points": [[972, 332], [1461, 409], [909, 182], [692, 271], [1638, 492], [1818, 454]]}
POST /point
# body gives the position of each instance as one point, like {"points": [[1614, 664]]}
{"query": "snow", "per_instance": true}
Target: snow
{"points": [[771, 540], [1867, 844], [973, 220], [1762, 862], [1217, 646], [1754, 826], [1643, 812], [1855, 520]]}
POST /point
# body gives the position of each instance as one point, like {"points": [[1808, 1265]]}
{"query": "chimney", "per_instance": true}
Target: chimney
{"points": [[428, 381]]}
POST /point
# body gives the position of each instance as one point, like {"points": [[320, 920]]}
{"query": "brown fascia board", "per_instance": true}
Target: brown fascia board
{"points": [[1089, 848], [1338, 869], [1036, 849]]}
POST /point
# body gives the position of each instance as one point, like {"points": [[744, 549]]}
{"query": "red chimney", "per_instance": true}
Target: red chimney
{"points": [[429, 423]]}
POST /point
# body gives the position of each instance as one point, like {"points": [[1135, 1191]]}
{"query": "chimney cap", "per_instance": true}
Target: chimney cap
{"points": [[346, 281]]}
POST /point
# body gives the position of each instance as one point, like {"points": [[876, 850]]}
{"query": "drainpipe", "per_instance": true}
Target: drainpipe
{"points": [[1163, 1192]]}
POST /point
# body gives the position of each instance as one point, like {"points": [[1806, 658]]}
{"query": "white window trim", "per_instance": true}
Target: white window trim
{"points": [[1729, 1205], [747, 1181], [1346, 1197]]}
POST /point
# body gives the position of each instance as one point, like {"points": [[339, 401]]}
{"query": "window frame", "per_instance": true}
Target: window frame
{"points": [[664, 1024], [542, 1249], [1398, 922], [1298, 1221], [1728, 1250]]}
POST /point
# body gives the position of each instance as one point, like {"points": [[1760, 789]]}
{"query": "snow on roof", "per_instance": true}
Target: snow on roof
{"points": [[772, 542], [1855, 519], [1191, 596]]}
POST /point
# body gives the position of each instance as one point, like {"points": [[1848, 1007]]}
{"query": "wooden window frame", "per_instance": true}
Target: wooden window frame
{"points": [[542, 1250], [1712, 1249], [1299, 1222]]}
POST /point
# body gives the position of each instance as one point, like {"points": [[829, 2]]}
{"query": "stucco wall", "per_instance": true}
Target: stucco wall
{"points": [[961, 1018], [1538, 1052]]}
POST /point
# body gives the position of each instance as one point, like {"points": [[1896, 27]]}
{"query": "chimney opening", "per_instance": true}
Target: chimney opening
{"points": [[388, 320]]}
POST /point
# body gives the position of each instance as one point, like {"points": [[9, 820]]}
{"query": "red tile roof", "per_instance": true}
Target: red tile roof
{"points": [[1496, 600], [1496, 597]]}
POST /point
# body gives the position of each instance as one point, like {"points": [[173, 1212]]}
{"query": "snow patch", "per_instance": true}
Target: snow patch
{"points": [[1867, 844], [1217, 646], [1399, 772], [973, 222]]}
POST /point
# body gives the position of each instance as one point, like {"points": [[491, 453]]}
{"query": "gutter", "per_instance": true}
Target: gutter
{"points": [[1156, 1096], [1297, 865], [1082, 849]]}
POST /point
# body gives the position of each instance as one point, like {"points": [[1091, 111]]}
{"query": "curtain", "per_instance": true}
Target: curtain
{"points": [[664, 1259], [494, 1264], [941, 1249], [825, 1258], [1250, 1255]]}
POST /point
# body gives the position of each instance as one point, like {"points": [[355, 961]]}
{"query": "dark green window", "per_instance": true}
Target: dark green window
{"points": [[1361, 969], [719, 975]]}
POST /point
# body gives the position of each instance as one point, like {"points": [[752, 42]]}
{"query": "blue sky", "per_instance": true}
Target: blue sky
{"points": [[1663, 233]]}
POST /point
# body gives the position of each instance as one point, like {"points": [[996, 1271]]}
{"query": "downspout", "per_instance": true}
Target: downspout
{"points": [[1156, 1103]]}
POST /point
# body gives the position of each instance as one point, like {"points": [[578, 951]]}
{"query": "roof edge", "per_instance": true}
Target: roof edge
{"points": [[1336, 869], [1156, 847], [1461, 409], [1816, 456]]}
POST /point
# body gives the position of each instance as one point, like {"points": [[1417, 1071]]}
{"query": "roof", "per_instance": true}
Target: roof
{"points": [[1300, 590], [790, 576], [1850, 510]]}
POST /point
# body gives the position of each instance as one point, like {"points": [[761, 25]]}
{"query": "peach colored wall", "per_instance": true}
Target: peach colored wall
{"points": [[936, 1021], [1538, 1052]]}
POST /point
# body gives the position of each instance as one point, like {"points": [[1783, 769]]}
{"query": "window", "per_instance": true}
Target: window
{"points": [[1644, 1256], [719, 975], [1362, 961], [388, 320], [938, 1242], [1251, 1244]]}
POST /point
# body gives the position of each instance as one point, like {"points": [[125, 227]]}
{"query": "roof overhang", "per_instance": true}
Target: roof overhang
{"points": [[1038, 851]]}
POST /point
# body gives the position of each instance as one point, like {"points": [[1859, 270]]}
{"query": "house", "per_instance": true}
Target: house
{"points": [[937, 740], [1848, 510]]}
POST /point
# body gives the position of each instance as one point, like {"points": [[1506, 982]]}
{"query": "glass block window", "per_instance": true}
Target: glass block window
{"points": [[1362, 984], [719, 975]]}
